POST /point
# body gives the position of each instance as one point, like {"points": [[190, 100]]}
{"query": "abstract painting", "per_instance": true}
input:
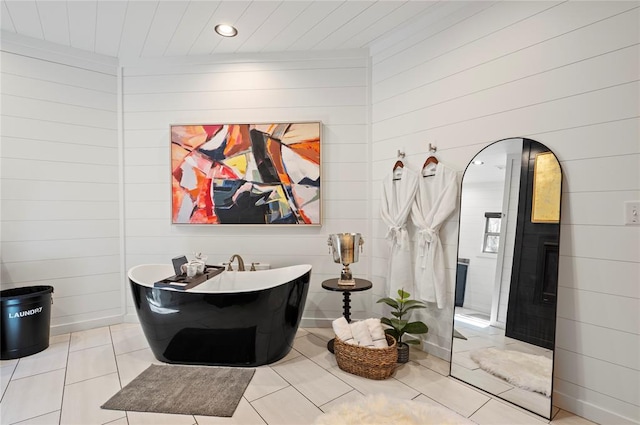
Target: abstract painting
{"points": [[246, 173]]}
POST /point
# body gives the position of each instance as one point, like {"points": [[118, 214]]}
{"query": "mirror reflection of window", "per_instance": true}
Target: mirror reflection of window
{"points": [[491, 238]]}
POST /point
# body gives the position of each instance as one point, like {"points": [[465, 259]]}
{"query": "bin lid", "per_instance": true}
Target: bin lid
{"points": [[25, 292]]}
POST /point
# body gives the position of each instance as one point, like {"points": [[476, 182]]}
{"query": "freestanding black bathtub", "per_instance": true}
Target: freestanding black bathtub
{"points": [[234, 319]]}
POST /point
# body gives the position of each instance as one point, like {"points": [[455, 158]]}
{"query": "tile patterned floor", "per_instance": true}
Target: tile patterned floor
{"points": [[67, 383], [488, 336]]}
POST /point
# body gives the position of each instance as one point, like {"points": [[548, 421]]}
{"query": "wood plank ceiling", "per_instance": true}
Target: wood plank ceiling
{"points": [[146, 29]]}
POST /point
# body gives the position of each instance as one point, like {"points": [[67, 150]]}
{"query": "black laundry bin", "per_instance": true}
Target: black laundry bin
{"points": [[25, 322]]}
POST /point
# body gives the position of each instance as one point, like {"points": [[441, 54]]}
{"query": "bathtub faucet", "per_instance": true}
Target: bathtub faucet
{"points": [[240, 263]]}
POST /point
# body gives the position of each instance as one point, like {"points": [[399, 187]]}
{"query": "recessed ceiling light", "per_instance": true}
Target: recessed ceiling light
{"points": [[226, 30], [478, 162]]}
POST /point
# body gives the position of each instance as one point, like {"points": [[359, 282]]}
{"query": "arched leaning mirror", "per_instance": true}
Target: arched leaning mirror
{"points": [[507, 275]]}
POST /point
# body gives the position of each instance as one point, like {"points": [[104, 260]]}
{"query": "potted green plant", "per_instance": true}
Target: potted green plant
{"points": [[399, 325]]}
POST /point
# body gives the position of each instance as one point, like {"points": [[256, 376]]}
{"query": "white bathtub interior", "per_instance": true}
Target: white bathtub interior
{"points": [[225, 282]]}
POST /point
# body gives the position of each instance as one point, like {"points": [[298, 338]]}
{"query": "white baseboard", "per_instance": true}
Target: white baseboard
{"points": [[131, 318], [309, 322], [304, 323], [436, 350], [86, 325], [590, 411]]}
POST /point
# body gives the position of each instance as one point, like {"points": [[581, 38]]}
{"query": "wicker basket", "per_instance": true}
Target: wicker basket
{"points": [[372, 363]]}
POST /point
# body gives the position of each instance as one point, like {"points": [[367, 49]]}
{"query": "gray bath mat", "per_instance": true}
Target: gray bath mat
{"points": [[185, 390]]}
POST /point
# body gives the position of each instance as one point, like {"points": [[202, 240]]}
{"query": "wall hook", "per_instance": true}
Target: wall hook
{"points": [[432, 148]]}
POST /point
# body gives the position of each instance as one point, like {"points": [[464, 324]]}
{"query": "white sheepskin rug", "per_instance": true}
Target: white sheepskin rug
{"points": [[380, 410], [528, 371]]}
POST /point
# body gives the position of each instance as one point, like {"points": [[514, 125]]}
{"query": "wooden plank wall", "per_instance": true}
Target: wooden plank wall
{"points": [[60, 180]]}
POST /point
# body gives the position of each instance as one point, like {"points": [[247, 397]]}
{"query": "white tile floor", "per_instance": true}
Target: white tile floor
{"points": [[481, 335], [67, 383]]}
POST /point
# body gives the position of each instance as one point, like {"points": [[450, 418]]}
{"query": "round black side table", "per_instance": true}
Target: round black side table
{"points": [[332, 285]]}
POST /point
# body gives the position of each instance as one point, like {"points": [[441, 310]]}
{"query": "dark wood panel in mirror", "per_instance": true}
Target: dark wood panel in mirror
{"points": [[531, 315]]}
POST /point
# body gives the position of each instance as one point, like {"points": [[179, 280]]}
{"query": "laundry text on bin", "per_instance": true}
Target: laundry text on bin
{"points": [[25, 313]]}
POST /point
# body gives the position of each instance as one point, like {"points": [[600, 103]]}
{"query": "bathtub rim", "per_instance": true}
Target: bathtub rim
{"points": [[275, 277]]}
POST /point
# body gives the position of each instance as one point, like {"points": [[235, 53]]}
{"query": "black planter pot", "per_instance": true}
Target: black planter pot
{"points": [[403, 352]]}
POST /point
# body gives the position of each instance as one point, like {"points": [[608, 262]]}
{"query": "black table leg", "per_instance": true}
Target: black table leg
{"points": [[346, 312], [346, 297]]}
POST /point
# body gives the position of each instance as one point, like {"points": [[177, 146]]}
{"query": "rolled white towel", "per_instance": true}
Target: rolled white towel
{"points": [[377, 333], [361, 334], [343, 331]]}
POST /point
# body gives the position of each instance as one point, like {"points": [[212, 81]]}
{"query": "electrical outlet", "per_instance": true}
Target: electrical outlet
{"points": [[632, 212]]}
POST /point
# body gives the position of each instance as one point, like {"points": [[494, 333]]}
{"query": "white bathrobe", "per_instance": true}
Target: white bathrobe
{"points": [[435, 201], [398, 196]]}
